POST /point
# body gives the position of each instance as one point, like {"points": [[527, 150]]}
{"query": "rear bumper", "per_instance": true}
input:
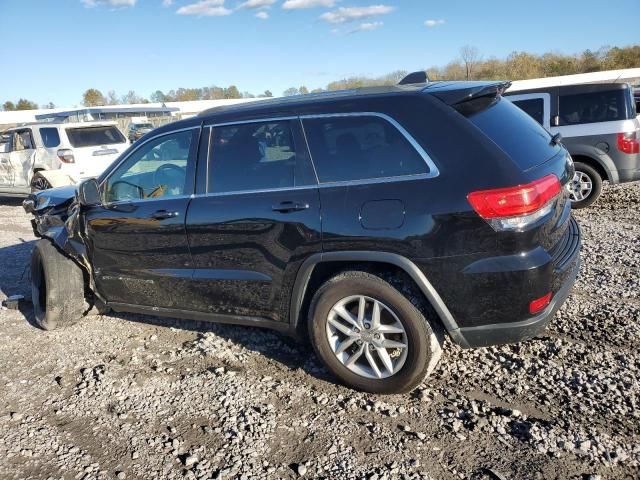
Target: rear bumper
{"points": [[512, 332]]}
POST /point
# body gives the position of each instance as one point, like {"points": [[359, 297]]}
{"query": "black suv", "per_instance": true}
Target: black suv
{"points": [[373, 221]]}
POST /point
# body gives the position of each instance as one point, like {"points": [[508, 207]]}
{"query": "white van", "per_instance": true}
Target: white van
{"points": [[45, 155]]}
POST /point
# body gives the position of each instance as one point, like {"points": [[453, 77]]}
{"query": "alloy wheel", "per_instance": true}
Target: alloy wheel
{"points": [[367, 337], [580, 187]]}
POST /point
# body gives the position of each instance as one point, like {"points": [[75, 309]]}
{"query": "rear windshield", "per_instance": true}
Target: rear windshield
{"points": [[516, 133], [93, 136], [595, 107]]}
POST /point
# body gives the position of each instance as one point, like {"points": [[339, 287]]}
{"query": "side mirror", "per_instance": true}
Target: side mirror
{"points": [[89, 193]]}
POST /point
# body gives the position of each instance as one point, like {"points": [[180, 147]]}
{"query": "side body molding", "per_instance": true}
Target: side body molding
{"points": [[304, 274]]}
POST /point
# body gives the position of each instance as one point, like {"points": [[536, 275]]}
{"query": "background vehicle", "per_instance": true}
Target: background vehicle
{"points": [[341, 216], [137, 129], [43, 155], [599, 127]]}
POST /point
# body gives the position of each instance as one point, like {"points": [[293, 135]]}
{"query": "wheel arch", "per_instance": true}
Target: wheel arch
{"points": [[321, 266], [603, 164]]}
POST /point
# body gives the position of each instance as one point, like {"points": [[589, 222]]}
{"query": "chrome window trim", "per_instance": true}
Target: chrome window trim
{"points": [[265, 190], [125, 158], [253, 120], [433, 170], [145, 200]]}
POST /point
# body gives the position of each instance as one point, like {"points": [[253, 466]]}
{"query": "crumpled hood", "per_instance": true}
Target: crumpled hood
{"points": [[53, 197]]}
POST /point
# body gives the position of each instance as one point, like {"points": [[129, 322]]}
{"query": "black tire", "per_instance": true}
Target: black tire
{"points": [[596, 185], [39, 183], [424, 347], [57, 287]]}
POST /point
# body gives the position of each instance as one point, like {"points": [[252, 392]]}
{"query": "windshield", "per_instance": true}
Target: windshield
{"points": [[143, 125], [93, 136]]}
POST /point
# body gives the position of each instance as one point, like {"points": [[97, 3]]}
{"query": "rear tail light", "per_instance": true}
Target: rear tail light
{"points": [[65, 155], [514, 208], [539, 304], [628, 142]]}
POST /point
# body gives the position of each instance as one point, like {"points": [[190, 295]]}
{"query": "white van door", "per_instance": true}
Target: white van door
{"points": [[536, 105]]}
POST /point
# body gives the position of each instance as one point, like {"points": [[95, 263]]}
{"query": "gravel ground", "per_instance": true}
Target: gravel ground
{"points": [[128, 396]]}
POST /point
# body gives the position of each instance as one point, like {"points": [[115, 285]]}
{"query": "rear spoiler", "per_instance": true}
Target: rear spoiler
{"points": [[455, 93]]}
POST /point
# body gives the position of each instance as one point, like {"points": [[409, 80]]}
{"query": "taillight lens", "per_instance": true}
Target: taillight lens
{"points": [[628, 142], [514, 208], [65, 155]]}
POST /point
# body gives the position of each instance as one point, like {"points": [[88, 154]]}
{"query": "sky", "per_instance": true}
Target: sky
{"points": [[53, 50]]}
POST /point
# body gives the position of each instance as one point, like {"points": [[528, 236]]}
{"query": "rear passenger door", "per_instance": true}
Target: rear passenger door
{"points": [[255, 219]]}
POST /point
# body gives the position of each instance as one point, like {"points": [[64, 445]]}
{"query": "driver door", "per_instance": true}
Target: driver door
{"points": [[136, 239]]}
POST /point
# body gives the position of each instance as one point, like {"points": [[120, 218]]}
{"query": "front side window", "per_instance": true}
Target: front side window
{"points": [[94, 136], [256, 156], [158, 169], [360, 148], [593, 107], [533, 107], [50, 137]]}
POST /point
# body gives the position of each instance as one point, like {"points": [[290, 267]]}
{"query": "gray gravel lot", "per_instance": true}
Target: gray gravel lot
{"points": [[126, 396]]}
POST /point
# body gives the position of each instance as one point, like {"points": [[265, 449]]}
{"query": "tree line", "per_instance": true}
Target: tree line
{"points": [[470, 65]]}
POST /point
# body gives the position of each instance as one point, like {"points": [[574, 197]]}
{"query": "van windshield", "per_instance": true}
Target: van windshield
{"points": [[94, 136], [516, 133]]}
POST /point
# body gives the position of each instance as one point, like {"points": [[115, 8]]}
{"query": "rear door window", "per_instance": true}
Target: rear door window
{"points": [[360, 147], [533, 107], [50, 137], [94, 136], [256, 156], [594, 107], [516, 133]]}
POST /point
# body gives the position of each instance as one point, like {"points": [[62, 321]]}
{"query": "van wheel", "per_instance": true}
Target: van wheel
{"points": [[38, 183], [57, 287], [370, 335], [585, 187]]}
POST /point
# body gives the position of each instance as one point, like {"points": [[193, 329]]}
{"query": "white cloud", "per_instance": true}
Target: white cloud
{"points": [[299, 4], [262, 15], [434, 23], [167, 3], [352, 14], [205, 8], [110, 3], [252, 4], [367, 27]]}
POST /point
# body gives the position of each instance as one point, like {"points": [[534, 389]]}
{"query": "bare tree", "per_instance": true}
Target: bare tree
{"points": [[470, 57]]}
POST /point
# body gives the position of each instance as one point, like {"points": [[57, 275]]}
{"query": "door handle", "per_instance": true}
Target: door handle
{"points": [[287, 207], [164, 214]]}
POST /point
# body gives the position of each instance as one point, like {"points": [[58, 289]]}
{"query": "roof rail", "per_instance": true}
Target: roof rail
{"points": [[415, 77]]}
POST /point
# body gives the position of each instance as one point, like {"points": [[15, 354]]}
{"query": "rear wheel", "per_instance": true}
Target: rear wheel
{"points": [[370, 335], [38, 183], [57, 287], [585, 187]]}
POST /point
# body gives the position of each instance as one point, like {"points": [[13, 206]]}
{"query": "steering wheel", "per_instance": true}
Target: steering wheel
{"points": [[169, 176], [134, 192]]}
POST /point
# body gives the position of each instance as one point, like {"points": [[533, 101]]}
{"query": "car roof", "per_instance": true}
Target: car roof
{"points": [[62, 125]]}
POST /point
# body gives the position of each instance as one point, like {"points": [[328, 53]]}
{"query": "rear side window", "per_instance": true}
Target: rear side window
{"points": [[533, 107], [516, 133], [50, 137], [94, 136], [358, 147], [594, 107], [256, 156]]}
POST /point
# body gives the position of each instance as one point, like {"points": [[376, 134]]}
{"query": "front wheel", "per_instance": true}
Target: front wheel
{"points": [[57, 287], [585, 187], [370, 335]]}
